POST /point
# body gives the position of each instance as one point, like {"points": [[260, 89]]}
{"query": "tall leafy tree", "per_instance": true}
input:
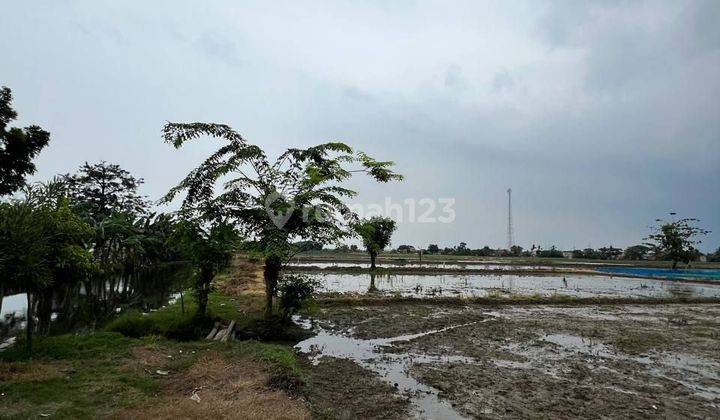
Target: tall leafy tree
{"points": [[44, 248], [375, 233], [101, 189], [209, 246], [635, 252], [107, 196], [675, 241], [18, 147], [297, 196], [22, 249]]}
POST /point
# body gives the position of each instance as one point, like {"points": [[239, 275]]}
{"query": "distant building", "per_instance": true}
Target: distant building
{"points": [[567, 254]]}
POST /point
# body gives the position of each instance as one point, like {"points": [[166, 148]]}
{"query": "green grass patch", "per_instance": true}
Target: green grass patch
{"points": [[99, 375], [70, 347], [345, 299], [310, 308], [277, 355], [171, 322], [73, 376]]}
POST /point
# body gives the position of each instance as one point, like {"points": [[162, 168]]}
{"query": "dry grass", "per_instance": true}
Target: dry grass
{"points": [[244, 281], [236, 388], [38, 371]]}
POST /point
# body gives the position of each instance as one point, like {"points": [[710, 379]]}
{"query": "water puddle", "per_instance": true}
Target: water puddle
{"points": [[393, 368], [579, 344]]}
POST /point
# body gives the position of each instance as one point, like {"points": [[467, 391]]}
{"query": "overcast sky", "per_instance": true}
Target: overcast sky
{"points": [[601, 116]]}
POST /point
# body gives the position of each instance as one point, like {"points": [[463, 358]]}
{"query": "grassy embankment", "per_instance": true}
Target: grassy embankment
{"points": [[132, 369], [504, 300]]}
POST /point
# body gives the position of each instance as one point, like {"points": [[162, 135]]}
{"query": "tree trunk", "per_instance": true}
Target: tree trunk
{"points": [[29, 321], [202, 287], [44, 310], [271, 274], [182, 302], [674, 266], [373, 255]]}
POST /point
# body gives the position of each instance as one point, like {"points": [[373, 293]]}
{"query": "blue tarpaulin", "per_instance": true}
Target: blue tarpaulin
{"points": [[664, 273]]}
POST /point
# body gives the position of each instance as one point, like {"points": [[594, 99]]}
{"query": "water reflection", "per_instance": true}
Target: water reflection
{"points": [[89, 305], [372, 288]]}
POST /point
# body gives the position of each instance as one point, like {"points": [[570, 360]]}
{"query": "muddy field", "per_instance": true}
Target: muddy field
{"points": [[639, 361]]}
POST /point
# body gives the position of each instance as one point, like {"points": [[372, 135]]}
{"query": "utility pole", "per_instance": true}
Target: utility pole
{"points": [[510, 241]]}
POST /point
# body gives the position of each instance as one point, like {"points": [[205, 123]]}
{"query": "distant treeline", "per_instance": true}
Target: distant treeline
{"points": [[635, 252]]}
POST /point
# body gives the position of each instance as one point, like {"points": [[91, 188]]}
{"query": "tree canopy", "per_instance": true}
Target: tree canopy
{"points": [[43, 245], [375, 233], [101, 189], [296, 196], [18, 147], [675, 241], [636, 252], [209, 247]]}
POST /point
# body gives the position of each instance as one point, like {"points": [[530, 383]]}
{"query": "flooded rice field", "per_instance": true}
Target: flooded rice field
{"points": [[475, 285], [440, 265], [432, 361]]}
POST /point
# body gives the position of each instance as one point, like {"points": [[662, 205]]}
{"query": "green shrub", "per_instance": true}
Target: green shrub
{"points": [[293, 291], [172, 323], [133, 324]]}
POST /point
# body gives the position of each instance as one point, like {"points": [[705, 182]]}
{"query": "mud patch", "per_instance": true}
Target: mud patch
{"points": [[392, 367], [369, 322], [640, 361], [341, 389]]}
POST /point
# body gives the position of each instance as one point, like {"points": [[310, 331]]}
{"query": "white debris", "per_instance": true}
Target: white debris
{"points": [[195, 397]]}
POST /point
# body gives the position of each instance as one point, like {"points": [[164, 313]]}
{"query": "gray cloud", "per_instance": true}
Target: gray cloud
{"points": [[601, 116]]}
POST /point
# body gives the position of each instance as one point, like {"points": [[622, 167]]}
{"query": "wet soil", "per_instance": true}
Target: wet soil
{"points": [[341, 389], [612, 361]]}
